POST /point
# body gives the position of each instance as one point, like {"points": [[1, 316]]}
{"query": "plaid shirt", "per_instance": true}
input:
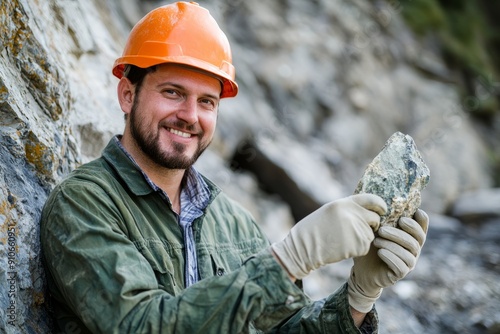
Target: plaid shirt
{"points": [[195, 196]]}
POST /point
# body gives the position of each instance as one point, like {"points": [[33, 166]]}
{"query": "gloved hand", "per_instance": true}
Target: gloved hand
{"points": [[393, 254], [338, 230]]}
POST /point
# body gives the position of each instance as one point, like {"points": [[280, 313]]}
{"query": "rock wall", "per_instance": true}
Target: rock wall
{"points": [[323, 85], [46, 79], [35, 150]]}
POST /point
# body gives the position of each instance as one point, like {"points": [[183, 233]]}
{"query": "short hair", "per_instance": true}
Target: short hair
{"points": [[137, 74]]}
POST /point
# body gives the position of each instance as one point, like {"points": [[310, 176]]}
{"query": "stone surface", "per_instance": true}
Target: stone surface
{"points": [[478, 206], [397, 174]]}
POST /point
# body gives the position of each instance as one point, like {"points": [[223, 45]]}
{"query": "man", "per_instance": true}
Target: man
{"points": [[138, 241]]}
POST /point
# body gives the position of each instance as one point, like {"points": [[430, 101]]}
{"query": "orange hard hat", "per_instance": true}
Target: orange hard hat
{"points": [[181, 33]]}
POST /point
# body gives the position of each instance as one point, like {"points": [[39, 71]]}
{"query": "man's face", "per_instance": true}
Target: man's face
{"points": [[173, 116]]}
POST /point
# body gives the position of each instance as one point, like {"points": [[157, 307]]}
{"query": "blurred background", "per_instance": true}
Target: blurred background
{"points": [[323, 85]]}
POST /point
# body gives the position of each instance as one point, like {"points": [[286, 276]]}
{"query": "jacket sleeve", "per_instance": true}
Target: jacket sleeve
{"points": [[329, 315], [99, 274]]}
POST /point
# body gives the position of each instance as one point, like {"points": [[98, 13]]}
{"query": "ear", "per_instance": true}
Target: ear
{"points": [[126, 92]]}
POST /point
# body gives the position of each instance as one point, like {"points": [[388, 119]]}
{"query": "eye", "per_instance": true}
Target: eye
{"points": [[208, 103], [170, 92]]}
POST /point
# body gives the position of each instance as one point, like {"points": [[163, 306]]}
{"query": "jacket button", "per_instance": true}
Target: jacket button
{"points": [[220, 271]]}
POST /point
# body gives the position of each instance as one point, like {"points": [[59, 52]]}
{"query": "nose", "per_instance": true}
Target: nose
{"points": [[188, 111]]}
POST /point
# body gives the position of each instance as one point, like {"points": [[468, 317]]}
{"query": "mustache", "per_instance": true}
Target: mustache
{"points": [[181, 125]]}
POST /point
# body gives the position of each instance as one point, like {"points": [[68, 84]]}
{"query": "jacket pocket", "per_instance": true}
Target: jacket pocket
{"points": [[217, 268], [225, 259], [155, 252]]}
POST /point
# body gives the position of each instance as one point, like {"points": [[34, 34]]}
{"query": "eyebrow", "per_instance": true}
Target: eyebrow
{"points": [[181, 87]]}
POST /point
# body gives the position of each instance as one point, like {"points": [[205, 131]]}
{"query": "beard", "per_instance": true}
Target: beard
{"points": [[149, 142]]}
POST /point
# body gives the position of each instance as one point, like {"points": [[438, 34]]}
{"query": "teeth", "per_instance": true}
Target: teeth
{"points": [[180, 133]]}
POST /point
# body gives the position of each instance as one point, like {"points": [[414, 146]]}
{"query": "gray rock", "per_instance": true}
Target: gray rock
{"points": [[477, 206], [397, 174]]}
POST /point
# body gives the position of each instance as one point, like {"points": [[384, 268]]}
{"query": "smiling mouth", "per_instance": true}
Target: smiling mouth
{"points": [[179, 133]]}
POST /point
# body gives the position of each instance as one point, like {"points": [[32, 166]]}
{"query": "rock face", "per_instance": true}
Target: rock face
{"points": [[397, 174], [322, 86]]}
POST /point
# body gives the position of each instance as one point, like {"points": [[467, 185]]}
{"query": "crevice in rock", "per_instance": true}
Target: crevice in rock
{"points": [[272, 178]]}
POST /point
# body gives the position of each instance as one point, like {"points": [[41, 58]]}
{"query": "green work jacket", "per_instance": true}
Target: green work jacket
{"points": [[114, 255]]}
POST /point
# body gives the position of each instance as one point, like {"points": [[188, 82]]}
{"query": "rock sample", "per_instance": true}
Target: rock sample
{"points": [[397, 174]]}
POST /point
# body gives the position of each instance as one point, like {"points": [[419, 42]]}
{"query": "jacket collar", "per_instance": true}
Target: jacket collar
{"points": [[126, 168]]}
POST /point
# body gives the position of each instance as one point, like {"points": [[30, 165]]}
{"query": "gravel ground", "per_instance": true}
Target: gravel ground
{"points": [[455, 287]]}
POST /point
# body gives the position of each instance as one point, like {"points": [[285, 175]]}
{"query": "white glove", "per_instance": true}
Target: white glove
{"points": [[338, 230], [392, 256]]}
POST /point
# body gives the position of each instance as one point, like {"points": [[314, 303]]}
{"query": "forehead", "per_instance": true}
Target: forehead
{"points": [[186, 77]]}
